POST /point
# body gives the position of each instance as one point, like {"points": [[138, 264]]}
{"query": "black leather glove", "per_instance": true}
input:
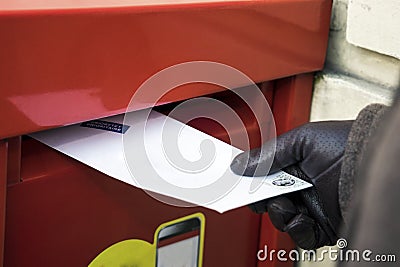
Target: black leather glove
{"points": [[314, 153]]}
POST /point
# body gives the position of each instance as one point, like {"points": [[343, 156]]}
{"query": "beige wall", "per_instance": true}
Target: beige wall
{"points": [[362, 64]]}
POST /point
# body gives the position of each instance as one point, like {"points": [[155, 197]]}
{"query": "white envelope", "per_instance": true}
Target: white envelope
{"points": [[124, 151]]}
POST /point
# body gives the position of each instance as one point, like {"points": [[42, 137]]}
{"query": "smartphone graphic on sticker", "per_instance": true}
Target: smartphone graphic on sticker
{"points": [[180, 242]]}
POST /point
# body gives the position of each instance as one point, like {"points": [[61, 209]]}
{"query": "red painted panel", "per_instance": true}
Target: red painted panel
{"points": [[292, 101], [66, 217], [3, 192], [65, 213], [62, 65], [14, 160]]}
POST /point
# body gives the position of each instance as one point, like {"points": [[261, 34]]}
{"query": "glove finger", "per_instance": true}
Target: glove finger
{"points": [[277, 205], [271, 157], [304, 231], [281, 211], [315, 208], [254, 162], [259, 207], [294, 219]]}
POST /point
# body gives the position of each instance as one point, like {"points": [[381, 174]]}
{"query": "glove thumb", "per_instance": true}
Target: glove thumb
{"points": [[271, 157]]}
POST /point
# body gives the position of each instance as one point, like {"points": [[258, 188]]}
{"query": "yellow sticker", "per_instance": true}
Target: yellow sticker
{"points": [[176, 243]]}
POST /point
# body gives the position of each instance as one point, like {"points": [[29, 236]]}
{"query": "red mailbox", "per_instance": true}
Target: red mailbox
{"points": [[64, 62]]}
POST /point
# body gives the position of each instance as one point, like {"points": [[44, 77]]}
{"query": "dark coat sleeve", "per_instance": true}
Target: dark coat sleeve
{"points": [[374, 215], [364, 126]]}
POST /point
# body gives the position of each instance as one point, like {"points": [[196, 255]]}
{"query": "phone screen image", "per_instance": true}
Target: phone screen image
{"points": [[178, 244]]}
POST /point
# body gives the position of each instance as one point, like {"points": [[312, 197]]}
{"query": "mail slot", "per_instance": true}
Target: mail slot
{"points": [[89, 211], [64, 64]]}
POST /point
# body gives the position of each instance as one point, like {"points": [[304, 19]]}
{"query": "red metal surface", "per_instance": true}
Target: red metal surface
{"points": [[239, 107], [14, 160], [291, 108], [292, 101], [64, 213], [67, 213], [63, 62], [3, 191]]}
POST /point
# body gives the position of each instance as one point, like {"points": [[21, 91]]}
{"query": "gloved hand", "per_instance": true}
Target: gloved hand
{"points": [[314, 153]]}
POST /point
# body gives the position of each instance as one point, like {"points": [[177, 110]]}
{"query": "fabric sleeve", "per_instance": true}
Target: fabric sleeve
{"points": [[363, 127]]}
